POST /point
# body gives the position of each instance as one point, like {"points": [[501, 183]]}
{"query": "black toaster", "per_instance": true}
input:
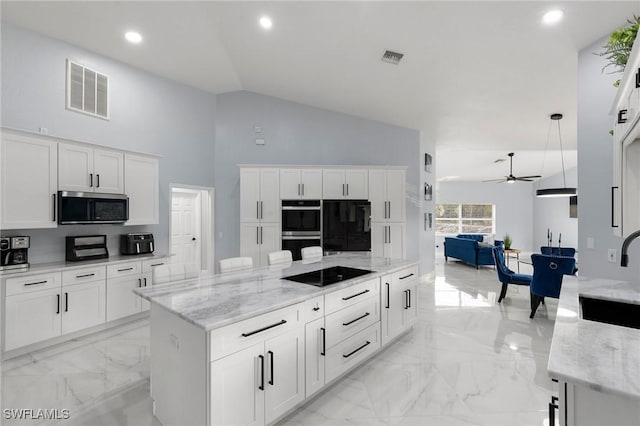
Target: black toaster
{"points": [[139, 243]]}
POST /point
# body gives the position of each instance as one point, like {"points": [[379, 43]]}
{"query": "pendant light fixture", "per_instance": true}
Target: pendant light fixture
{"points": [[556, 192]]}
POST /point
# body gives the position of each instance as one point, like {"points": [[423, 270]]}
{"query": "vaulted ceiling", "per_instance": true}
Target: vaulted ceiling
{"points": [[479, 78]]}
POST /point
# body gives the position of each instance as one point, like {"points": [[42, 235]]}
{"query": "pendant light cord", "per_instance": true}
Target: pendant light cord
{"points": [[564, 179]]}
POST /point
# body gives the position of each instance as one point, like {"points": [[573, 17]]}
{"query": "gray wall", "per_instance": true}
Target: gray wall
{"points": [[427, 237], [300, 134], [595, 170], [514, 207], [148, 114], [553, 213]]}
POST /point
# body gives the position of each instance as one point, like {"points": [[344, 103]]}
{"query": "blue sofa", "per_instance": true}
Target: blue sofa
{"points": [[466, 247]]}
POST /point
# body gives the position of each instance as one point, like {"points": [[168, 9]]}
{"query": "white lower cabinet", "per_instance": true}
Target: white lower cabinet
{"points": [[580, 405], [121, 301], [83, 306], [258, 384], [351, 351], [31, 317], [315, 351], [399, 302]]}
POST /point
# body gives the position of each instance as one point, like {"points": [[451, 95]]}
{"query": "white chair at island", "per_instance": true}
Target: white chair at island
{"points": [[280, 257], [234, 264], [311, 253]]}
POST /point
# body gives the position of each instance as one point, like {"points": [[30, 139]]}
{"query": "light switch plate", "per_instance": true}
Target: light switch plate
{"points": [[257, 129], [259, 141]]}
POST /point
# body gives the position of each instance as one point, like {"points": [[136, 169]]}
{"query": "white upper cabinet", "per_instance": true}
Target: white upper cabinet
{"points": [[87, 169], [300, 184], [352, 184], [387, 195], [259, 194], [28, 181], [141, 184]]}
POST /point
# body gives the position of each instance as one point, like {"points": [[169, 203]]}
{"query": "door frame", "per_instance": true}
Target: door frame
{"points": [[207, 200]]}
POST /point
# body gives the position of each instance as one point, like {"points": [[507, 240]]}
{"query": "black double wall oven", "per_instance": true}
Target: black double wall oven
{"points": [[301, 225]]}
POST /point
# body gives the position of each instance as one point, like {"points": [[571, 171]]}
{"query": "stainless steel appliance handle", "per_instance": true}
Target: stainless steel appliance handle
{"points": [[291, 238], [301, 208]]}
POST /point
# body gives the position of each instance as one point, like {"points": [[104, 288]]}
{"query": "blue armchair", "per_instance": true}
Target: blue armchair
{"points": [[547, 277], [505, 275]]}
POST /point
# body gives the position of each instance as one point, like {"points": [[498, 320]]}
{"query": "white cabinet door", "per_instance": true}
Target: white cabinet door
{"points": [[249, 194], [147, 280], [290, 187], [410, 314], [333, 185], [395, 241], [31, 317], [270, 195], [108, 169], [121, 301], [83, 306], [395, 195], [378, 238], [28, 182], [284, 373], [314, 353], [141, 184], [357, 184], [311, 181], [270, 240], [237, 388], [75, 171], [393, 304], [378, 194], [250, 241]]}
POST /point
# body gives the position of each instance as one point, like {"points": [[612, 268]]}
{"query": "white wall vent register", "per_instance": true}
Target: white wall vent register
{"points": [[87, 90]]}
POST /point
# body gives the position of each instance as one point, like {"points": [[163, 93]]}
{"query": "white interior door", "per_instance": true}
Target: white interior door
{"points": [[186, 227]]}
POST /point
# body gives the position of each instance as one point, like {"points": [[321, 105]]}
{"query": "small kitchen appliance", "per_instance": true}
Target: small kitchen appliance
{"points": [[140, 243], [13, 253], [86, 247]]}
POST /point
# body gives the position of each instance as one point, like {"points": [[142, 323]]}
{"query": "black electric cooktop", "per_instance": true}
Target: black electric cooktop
{"points": [[328, 276]]}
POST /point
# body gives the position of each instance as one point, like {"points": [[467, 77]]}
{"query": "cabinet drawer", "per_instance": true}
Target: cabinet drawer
{"points": [[352, 351], [350, 295], [84, 275], [349, 321], [405, 276], [232, 338], [313, 309], [123, 269], [148, 265], [31, 283]]}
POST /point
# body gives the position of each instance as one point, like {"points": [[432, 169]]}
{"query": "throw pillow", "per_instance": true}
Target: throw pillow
{"points": [[489, 239]]}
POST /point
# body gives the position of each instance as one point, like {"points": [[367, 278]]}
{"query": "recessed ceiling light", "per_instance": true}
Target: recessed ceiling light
{"points": [[133, 37], [265, 22], [553, 16]]}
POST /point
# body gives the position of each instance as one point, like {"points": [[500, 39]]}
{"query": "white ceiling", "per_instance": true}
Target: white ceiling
{"points": [[479, 78]]}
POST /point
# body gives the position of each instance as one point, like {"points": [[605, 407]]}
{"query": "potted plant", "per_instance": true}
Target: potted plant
{"points": [[507, 242], [619, 45]]}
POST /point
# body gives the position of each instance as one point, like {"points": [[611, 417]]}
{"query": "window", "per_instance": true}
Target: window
{"points": [[465, 219]]}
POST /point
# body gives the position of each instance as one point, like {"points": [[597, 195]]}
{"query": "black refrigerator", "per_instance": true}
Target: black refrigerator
{"points": [[346, 225]]}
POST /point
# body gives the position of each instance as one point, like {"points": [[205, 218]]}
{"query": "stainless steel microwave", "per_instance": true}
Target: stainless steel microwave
{"points": [[89, 207]]}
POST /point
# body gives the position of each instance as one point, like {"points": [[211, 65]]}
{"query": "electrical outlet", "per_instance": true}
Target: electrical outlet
{"points": [[612, 255], [259, 141], [257, 129]]}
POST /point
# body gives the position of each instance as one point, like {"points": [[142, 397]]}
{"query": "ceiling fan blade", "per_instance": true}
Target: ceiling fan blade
{"points": [[495, 180], [523, 179], [529, 177]]}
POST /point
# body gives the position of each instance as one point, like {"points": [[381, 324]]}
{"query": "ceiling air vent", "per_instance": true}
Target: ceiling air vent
{"points": [[87, 90], [392, 57]]}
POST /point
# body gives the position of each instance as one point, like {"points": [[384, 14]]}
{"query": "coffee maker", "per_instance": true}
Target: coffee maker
{"points": [[13, 253]]}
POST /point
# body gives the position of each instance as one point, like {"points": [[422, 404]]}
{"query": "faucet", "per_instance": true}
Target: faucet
{"points": [[624, 258]]}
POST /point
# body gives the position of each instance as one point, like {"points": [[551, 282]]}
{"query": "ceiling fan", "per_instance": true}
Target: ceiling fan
{"points": [[511, 178]]}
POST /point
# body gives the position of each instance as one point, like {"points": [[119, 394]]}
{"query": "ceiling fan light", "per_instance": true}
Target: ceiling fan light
{"points": [[556, 192]]}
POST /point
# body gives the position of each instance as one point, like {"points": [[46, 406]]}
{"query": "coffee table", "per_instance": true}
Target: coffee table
{"points": [[509, 252]]}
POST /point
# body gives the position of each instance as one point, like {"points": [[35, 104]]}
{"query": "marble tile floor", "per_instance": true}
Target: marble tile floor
{"points": [[468, 361]]}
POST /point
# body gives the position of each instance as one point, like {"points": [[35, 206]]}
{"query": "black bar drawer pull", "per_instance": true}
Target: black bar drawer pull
{"points": [[613, 219], [324, 341], [85, 275], [316, 309], [54, 206], [357, 319], [356, 295], [406, 276], [66, 302], [388, 296], [125, 269], [359, 349], [261, 387], [552, 410], [406, 299], [58, 303], [37, 282], [156, 264], [90, 179], [98, 179], [270, 353], [264, 328]]}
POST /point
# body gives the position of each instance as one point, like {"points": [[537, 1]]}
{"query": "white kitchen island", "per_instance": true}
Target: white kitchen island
{"points": [[249, 347]]}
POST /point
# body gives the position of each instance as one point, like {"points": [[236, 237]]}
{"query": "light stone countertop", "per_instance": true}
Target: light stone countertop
{"points": [[601, 356], [219, 300], [38, 268]]}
